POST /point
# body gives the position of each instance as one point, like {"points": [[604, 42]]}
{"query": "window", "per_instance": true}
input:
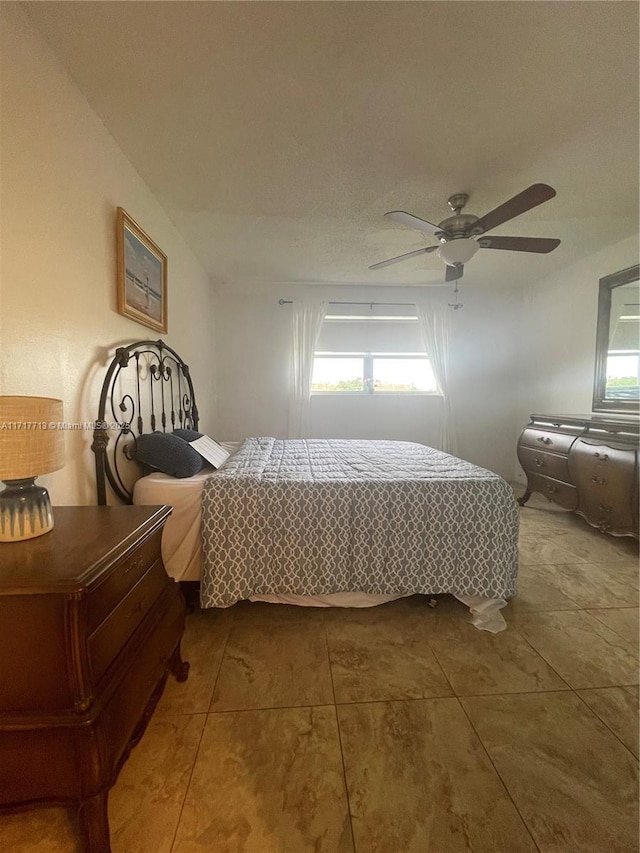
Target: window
{"points": [[376, 351]]}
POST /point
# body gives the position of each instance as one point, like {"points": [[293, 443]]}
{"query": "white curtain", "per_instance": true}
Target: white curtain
{"points": [[434, 320], [307, 321]]}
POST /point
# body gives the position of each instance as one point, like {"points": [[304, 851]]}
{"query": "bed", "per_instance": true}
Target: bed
{"points": [[315, 522]]}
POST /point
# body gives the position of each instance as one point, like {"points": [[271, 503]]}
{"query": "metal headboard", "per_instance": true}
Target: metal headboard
{"points": [[147, 387]]}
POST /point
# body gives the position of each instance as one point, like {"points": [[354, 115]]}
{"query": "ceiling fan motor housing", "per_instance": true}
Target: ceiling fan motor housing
{"points": [[456, 226]]}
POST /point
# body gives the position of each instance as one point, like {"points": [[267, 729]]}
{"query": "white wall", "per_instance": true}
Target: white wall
{"points": [[253, 336], [62, 178], [557, 339]]}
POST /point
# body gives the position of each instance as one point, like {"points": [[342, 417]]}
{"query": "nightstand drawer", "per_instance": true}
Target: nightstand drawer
{"points": [[538, 462], [112, 635], [144, 676], [556, 442], [124, 576]]}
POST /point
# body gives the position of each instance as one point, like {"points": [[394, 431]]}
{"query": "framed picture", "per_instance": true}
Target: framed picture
{"points": [[142, 275]]}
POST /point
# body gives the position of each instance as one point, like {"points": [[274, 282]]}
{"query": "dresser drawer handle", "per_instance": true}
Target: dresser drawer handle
{"points": [[603, 456], [605, 508], [139, 607], [134, 565], [538, 463], [599, 480], [552, 489], [544, 439]]}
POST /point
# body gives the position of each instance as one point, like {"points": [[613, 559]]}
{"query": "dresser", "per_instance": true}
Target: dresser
{"points": [[90, 626], [588, 464]]}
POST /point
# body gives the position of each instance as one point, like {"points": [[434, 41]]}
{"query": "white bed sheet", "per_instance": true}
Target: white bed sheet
{"points": [[181, 540]]}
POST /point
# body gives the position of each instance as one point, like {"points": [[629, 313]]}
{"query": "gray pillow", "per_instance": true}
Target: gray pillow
{"points": [[167, 453], [187, 434]]}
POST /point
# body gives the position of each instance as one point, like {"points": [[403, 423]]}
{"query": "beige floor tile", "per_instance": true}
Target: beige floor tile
{"points": [[274, 664], [571, 779], [584, 651], [419, 780], [386, 659], [40, 831], [592, 584], [203, 643], [538, 590], [618, 708], [590, 544], [267, 782], [628, 572], [146, 801], [543, 548], [623, 621], [478, 662]]}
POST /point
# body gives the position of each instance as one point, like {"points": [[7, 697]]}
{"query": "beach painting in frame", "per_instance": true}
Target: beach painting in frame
{"points": [[142, 275]]}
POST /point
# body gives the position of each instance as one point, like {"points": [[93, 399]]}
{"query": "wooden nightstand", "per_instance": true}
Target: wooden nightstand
{"points": [[90, 625]]}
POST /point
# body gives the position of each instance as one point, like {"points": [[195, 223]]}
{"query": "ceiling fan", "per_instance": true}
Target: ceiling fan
{"points": [[461, 235]]}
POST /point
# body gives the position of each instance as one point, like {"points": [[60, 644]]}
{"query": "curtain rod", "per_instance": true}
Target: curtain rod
{"points": [[404, 304]]}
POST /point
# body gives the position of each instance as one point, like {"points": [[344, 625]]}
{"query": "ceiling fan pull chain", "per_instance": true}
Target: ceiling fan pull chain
{"points": [[456, 305]]}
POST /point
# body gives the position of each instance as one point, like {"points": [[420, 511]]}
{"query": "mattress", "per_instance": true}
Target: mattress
{"points": [[181, 538], [324, 517]]}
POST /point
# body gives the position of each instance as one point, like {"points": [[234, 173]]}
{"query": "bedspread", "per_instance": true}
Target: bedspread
{"points": [[313, 517]]}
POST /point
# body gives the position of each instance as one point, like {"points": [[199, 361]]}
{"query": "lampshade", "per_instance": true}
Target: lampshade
{"points": [[29, 446], [458, 251], [31, 443]]}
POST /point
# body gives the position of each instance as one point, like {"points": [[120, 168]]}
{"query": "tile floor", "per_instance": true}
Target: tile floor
{"points": [[399, 729]]}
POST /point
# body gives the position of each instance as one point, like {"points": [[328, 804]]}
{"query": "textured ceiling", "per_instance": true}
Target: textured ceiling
{"points": [[276, 135]]}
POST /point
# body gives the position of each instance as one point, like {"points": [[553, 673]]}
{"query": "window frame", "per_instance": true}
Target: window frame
{"points": [[368, 360]]}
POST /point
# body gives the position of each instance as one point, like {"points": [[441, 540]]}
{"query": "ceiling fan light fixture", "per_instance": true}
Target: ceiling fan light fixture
{"points": [[458, 251]]}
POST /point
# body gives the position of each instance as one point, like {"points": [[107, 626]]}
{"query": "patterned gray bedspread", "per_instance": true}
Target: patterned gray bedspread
{"points": [[312, 517]]}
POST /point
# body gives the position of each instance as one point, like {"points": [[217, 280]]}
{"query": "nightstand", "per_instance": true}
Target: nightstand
{"points": [[90, 626]]}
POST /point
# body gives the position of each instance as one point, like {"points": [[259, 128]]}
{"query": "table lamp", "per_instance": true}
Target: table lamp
{"points": [[30, 444]]}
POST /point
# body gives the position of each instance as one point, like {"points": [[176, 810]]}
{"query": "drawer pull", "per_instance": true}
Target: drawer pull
{"points": [[603, 456], [599, 480], [140, 606], [552, 489], [544, 439], [605, 508], [134, 565], [539, 463]]}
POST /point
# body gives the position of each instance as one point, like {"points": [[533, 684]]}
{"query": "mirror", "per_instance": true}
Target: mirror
{"points": [[617, 378]]}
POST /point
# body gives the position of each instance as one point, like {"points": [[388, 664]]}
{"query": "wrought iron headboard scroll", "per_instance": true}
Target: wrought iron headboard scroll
{"points": [[150, 380]]}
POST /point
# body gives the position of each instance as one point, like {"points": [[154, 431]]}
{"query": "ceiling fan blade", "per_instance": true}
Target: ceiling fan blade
{"points": [[531, 197], [395, 260], [520, 244], [454, 273], [412, 221]]}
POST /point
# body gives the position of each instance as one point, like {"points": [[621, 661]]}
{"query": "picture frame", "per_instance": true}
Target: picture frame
{"points": [[141, 275]]}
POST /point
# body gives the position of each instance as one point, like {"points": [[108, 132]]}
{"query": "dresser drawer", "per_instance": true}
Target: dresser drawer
{"points": [[608, 515], [561, 493], [112, 635], [616, 465], [556, 442], [124, 576], [144, 675], [606, 478], [536, 461]]}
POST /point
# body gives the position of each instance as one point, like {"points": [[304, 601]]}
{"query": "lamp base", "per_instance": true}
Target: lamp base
{"points": [[25, 510]]}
